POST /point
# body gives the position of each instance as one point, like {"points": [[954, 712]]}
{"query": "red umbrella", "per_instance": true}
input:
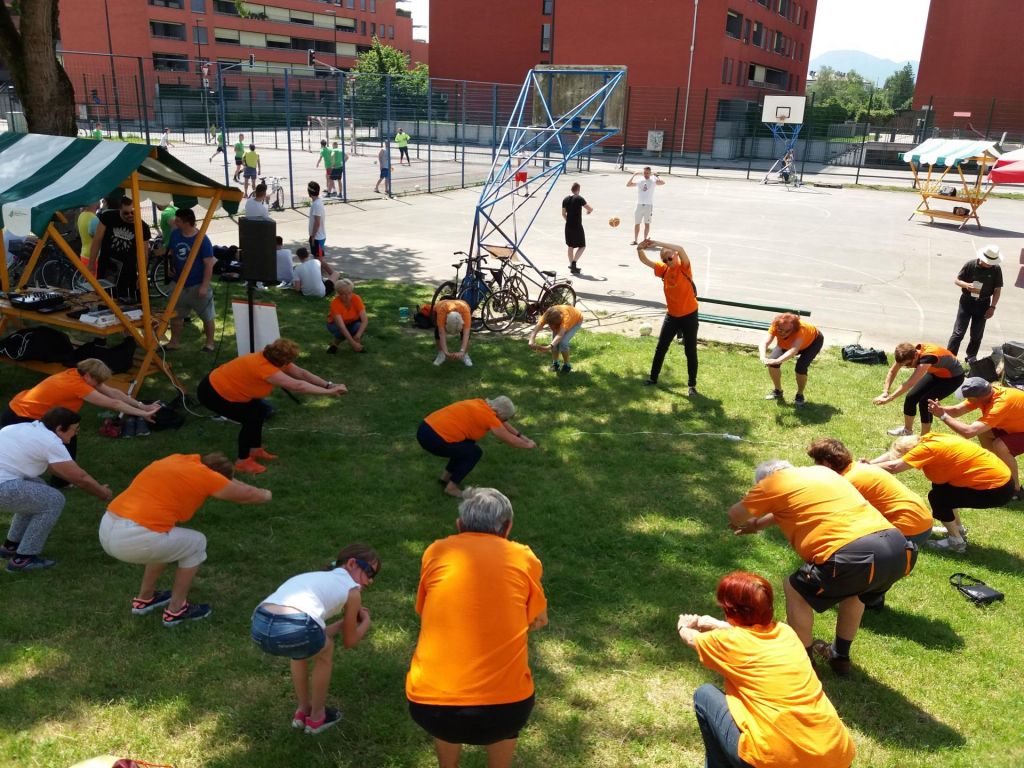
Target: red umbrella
{"points": [[1010, 173]]}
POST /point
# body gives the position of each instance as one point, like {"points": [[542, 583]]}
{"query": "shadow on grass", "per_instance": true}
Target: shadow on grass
{"points": [[983, 556], [930, 633]]}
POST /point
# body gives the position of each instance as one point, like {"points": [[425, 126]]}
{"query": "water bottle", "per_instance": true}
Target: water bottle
{"points": [[403, 314]]}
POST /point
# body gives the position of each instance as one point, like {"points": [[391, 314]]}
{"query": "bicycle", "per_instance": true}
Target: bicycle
{"points": [[158, 268], [275, 191], [552, 290]]}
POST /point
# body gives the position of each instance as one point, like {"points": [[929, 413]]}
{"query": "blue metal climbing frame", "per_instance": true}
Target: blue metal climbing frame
{"points": [[538, 136]]}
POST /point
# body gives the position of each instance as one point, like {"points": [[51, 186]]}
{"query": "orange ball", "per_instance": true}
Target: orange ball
{"points": [[613, 221]]}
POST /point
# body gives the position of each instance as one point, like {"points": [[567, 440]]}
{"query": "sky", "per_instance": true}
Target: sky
{"points": [[889, 29]]}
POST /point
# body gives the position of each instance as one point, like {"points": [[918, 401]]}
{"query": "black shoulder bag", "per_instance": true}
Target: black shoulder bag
{"points": [[978, 592]]}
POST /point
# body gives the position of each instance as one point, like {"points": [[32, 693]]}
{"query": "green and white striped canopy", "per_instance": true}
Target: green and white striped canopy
{"points": [[950, 152], [40, 175]]}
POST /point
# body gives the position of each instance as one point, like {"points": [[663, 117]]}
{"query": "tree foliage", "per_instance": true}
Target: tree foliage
{"points": [[383, 67], [29, 49], [900, 87], [848, 96]]}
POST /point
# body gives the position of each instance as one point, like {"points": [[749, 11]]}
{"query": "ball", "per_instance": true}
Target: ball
{"points": [[613, 221], [646, 329], [417, 187]]}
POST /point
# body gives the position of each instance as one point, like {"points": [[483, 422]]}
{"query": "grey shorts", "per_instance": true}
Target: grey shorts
{"points": [[190, 301]]}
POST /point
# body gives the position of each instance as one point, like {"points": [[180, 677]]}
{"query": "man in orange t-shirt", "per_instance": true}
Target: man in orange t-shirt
{"points": [[140, 526], [452, 316], [963, 475], [793, 337], [1001, 426], [676, 274], [479, 597], [852, 554], [452, 432], [898, 504]]}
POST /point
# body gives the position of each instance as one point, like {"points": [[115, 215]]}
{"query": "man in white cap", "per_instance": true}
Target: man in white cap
{"points": [[981, 282], [1000, 428]]}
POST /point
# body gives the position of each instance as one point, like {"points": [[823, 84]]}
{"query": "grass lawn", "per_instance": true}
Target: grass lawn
{"points": [[624, 501]]}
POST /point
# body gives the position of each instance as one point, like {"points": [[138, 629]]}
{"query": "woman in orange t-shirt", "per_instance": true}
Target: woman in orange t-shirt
{"points": [[236, 390], [963, 474], [937, 374], [452, 432], [676, 274], [346, 320], [479, 597], [773, 712], [793, 337], [563, 320]]}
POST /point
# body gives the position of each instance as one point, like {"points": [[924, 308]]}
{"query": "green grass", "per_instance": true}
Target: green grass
{"points": [[624, 502]]}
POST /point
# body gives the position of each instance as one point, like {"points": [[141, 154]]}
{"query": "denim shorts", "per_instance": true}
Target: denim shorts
{"points": [[335, 331], [293, 635]]}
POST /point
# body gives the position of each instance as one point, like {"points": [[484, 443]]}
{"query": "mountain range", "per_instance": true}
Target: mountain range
{"points": [[871, 68]]}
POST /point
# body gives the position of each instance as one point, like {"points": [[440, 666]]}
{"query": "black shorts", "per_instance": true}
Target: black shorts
{"points": [[335, 174], [239, 161], [481, 725], [865, 568], [804, 358]]}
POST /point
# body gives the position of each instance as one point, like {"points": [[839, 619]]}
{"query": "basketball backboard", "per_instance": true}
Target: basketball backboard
{"points": [[788, 110], [565, 87]]}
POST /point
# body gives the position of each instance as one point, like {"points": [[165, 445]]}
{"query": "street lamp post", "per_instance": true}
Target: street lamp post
{"points": [[204, 82], [689, 74], [334, 24], [113, 70]]}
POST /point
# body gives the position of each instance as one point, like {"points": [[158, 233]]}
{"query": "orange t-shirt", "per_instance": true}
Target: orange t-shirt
{"points": [[445, 307], [944, 366], [348, 314], [680, 293], [477, 596], [167, 492], [783, 715], [464, 420], [66, 389], [897, 503], [571, 317], [817, 510], [244, 378], [807, 333], [1004, 411], [951, 459]]}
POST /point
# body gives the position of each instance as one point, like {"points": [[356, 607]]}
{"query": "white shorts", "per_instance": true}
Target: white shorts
{"points": [[129, 542], [643, 214]]}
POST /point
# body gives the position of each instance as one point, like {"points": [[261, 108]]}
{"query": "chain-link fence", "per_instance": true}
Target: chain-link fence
{"points": [[455, 127]]}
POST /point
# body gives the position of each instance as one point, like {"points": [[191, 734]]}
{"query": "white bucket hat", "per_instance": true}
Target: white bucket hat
{"points": [[990, 253]]}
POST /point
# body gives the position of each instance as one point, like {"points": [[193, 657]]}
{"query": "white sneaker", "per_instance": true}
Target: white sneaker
{"points": [[949, 545], [898, 432], [467, 361], [440, 358]]}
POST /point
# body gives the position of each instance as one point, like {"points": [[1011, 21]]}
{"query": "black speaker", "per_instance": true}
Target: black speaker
{"points": [[257, 249]]}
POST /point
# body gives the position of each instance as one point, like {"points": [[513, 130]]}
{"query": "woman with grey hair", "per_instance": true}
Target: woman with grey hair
{"points": [[453, 432], [479, 597]]}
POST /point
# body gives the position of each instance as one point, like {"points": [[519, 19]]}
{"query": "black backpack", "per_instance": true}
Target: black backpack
{"points": [[855, 353]]}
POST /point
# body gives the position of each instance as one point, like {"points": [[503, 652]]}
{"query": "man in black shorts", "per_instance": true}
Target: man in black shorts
{"points": [[852, 555], [575, 238]]}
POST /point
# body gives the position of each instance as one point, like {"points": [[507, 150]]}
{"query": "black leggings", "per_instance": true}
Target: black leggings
{"points": [[672, 326], [250, 415], [945, 498], [929, 388], [9, 417], [462, 456]]}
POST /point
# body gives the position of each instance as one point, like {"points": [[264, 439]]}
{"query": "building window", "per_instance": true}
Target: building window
{"points": [[725, 71], [784, 8], [373, 6], [547, 7], [373, 29], [757, 38], [760, 76], [199, 35], [170, 62], [733, 24], [362, 5], [780, 42], [362, 28], [391, 32], [545, 38], [790, 87], [228, 36], [179, 4], [746, 30], [225, 6], [765, 3], [198, 6], [350, 3], [168, 30]]}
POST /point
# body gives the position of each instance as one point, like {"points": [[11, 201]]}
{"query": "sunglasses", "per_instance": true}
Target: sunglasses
{"points": [[368, 569]]}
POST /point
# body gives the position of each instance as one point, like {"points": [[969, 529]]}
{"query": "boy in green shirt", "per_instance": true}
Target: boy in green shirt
{"points": [[325, 157], [337, 164], [220, 145], [97, 132], [239, 155]]}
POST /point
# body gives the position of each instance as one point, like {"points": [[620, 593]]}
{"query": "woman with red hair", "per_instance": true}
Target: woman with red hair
{"points": [[773, 712]]}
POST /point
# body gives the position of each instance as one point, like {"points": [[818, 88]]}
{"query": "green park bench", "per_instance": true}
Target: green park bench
{"points": [[743, 322]]}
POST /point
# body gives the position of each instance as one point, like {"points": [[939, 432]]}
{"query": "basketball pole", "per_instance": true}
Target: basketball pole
{"points": [[689, 73]]}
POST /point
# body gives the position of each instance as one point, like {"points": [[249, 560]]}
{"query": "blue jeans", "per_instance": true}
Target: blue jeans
{"points": [[563, 345], [294, 635], [353, 328], [718, 729]]}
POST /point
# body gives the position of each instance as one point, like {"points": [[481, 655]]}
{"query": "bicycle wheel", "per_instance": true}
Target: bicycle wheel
{"points": [[446, 290], [559, 293], [50, 273], [79, 284], [518, 286], [158, 277], [500, 311]]}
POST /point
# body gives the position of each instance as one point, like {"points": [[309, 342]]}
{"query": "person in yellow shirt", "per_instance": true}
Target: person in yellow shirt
{"points": [[963, 474], [1000, 428], [852, 555], [86, 225], [563, 320], [773, 712], [252, 168]]}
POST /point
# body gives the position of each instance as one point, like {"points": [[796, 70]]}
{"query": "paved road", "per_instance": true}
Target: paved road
{"points": [[852, 257]]}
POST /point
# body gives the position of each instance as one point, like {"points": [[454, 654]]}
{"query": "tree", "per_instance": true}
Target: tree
{"points": [[42, 85], [900, 85], [408, 87]]}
